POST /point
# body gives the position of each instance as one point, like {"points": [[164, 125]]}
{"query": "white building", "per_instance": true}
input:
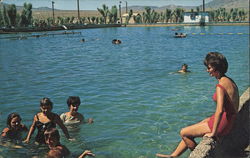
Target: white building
{"points": [[195, 17]]}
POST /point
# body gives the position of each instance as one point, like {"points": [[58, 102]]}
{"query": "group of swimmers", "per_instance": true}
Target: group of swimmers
{"points": [[45, 122], [114, 41], [180, 35]]}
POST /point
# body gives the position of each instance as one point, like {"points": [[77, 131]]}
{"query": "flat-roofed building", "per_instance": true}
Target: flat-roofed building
{"points": [[196, 17]]}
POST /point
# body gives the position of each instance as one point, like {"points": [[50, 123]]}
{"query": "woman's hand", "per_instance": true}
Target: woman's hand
{"points": [[90, 120], [71, 139], [26, 141], [209, 135], [85, 153]]}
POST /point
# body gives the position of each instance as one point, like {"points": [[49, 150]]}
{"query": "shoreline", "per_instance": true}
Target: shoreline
{"points": [[92, 26], [189, 24]]}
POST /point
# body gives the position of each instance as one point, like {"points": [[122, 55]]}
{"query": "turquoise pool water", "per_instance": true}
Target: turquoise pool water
{"points": [[137, 101]]}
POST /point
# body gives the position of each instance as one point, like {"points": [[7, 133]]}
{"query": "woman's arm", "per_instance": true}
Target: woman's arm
{"points": [[32, 129], [85, 153], [62, 126], [4, 132]]}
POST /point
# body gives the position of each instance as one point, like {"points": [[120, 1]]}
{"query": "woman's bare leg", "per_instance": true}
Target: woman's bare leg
{"points": [[188, 134]]}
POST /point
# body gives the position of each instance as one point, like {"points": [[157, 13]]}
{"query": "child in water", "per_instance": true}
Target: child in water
{"points": [[57, 150], [184, 69], [14, 127], [45, 120], [73, 116]]}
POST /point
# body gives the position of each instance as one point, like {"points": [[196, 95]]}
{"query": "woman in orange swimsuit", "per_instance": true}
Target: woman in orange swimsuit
{"points": [[227, 103]]}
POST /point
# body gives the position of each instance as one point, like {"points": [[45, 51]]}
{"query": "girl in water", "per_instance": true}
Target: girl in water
{"points": [[45, 120]]}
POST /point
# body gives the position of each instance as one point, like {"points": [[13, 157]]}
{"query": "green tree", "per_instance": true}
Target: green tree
{"points": [[104, 12], [168, 14], [242, 15], [89, 20], [97, 20], [162, 17], [212, 15], [138, 19], [26, 16], [6, 21], [235, 14], [11, 13], [49, 21], [113, 14], [147, 15], [129, 16], [93, 19], [154, 17], [1, 19], [82, 20], [198, 9], [178, 15]]}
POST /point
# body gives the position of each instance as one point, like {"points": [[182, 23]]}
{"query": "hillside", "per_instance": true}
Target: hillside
{"points": [[44, 12], [215, 4]]}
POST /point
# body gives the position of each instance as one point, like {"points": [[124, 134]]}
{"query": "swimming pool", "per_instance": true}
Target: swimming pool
{"points": [[137, 101]]}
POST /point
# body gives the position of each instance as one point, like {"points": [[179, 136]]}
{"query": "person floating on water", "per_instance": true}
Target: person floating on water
{"points": [[221, 122], [184, 69], [180, 35], [116, 41]]}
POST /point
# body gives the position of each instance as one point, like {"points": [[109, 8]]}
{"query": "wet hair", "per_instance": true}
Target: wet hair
{"points": [[11, 116], [217, 60], [185, 65], [55, 153], [52, 132], [73, 100], [46, 102], [116, 41]]}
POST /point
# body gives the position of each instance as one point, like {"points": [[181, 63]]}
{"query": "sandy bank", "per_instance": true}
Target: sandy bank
{"points": [[188, 24]]}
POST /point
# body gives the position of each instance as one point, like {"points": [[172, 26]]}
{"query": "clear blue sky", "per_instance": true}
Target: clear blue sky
{"points": [[94, 4]]}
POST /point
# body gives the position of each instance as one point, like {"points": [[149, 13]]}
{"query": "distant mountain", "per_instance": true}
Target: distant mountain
{"points": [[163, 8], [215, 4], [34, 9]]}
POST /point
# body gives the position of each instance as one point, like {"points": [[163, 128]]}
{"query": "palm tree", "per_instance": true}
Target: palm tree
{"points": [[242, 15], [147, 15], [12, 14], [26, 16], [168, 14], [6, 21], [235, 14], [113, 14], [178, 14], [93, 19], [162, 17], [138, 19], [129, 16], [1, 19], [104, 12], [198, 9]]}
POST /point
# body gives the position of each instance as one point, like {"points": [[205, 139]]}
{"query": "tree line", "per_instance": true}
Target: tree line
{"points": [[10, 18]]}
